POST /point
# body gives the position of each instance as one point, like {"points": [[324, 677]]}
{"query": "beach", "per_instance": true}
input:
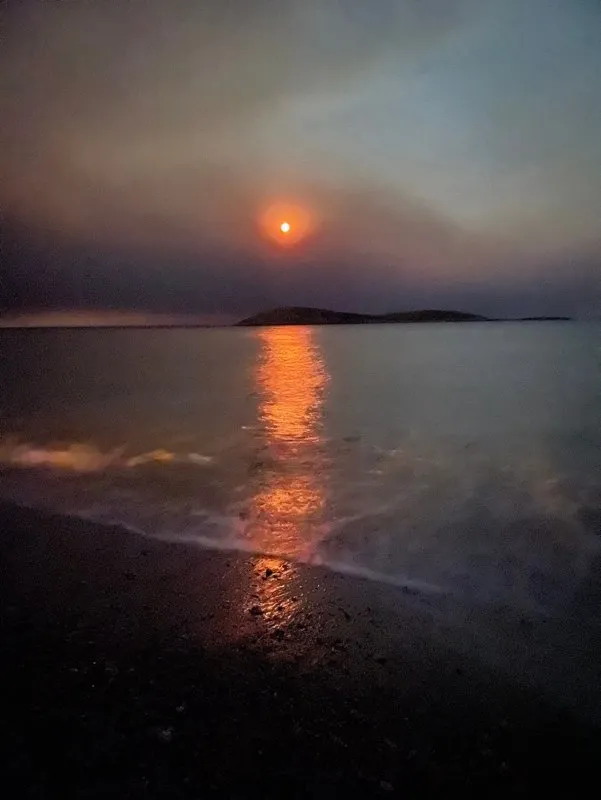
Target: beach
{"points": [[300, 393], [143, 668]]}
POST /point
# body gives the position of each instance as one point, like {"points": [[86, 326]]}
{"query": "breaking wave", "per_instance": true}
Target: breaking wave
{"points": [[529, 540]]}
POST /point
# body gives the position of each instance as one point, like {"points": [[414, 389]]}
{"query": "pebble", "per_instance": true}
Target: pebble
{"points": [[166, 734]]}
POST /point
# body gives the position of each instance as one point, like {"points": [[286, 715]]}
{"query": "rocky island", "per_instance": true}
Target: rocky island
{"points": [[301, 315]]}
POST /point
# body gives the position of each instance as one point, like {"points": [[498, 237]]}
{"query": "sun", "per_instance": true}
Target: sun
{"points": [[286, 224]]}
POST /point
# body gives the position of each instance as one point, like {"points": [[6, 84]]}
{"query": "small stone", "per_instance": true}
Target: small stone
{"points": [[256, 611], [278, 634], [380, 660], [385, 786], [165, 734], [268, 572]]}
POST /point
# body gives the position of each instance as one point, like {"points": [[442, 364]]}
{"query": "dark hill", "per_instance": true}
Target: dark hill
{"points": [[545, 319], [300, 315]]}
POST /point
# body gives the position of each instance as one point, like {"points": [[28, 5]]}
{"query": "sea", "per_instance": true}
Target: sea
{"points": [[455, 459]]}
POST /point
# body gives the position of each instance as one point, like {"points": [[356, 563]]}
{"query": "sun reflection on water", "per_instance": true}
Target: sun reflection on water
{"points": [[291, 378], [288, 503]]}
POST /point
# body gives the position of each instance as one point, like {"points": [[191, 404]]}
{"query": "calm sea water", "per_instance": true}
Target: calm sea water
{"points": [[460, 458]]}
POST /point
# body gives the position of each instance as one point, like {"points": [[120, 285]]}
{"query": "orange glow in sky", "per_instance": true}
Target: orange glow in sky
{"points": [[286, 224]]}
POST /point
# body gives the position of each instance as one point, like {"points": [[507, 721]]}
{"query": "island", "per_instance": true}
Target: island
{"points": [[545, 319], [301, 315]]}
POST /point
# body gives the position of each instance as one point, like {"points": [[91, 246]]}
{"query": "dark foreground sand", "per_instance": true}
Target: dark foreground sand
{"points": [[135, 668]]}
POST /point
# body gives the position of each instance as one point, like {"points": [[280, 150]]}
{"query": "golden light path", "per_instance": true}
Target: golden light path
{"points": [[288, 503], [288, 493], [288, 498]]}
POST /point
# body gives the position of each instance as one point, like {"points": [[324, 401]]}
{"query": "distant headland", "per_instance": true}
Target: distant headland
{"points": [[302, 315], [285, 315]]}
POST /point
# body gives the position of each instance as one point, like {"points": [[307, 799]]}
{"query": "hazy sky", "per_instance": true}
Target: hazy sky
{"points": [[430, 152]]}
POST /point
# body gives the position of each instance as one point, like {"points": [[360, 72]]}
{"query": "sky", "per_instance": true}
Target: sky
{"points": [[425, 153]]}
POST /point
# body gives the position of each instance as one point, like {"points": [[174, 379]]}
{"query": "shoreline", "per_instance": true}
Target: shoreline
{"points": [[533, 648], [164, 669]]}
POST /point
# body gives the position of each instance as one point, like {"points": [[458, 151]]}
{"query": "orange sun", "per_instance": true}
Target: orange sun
{"points": [[286, 224]]}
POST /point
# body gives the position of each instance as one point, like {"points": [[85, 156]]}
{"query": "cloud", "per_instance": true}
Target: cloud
{"points": [[93, 88], [141, 140], [371, 248]]}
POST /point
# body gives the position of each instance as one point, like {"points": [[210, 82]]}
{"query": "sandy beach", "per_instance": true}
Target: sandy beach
{"points": [[139, 668]]}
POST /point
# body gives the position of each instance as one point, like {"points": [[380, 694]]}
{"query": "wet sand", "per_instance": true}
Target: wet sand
{"points": [[139, 668]]}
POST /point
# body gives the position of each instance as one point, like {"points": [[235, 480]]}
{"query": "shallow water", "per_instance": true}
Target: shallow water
{"points": [[459, 458]]}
